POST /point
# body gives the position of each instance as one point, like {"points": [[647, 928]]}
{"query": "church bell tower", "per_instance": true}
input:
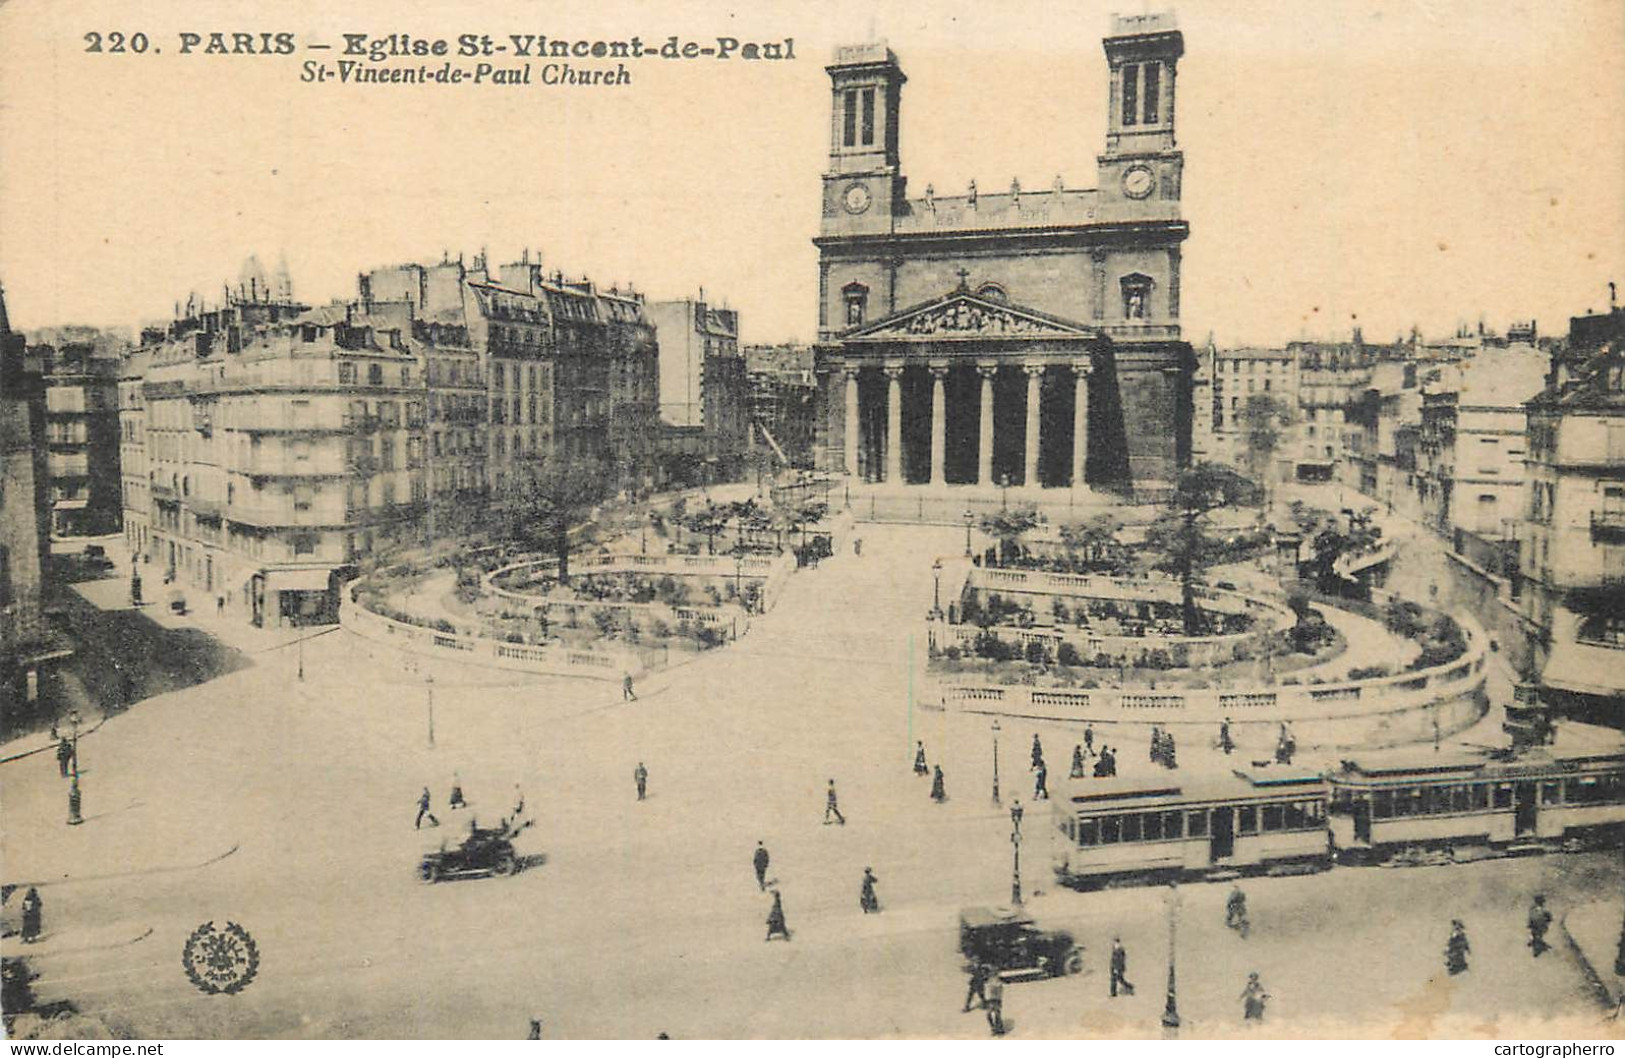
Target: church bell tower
{"points": [[863, 186], [1142, 160]]}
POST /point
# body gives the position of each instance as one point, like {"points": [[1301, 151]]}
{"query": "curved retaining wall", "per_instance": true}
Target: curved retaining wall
{"points": [[1390, 710], [549, 660]]}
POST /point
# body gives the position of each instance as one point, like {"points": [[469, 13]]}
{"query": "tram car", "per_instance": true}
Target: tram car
{"points": [[1166, 827], [1544, 797], [1273, 819]]}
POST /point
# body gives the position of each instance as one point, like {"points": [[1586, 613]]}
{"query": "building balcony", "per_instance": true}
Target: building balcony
{"points": [[362, 423], [1608, 525], [362, 463]]}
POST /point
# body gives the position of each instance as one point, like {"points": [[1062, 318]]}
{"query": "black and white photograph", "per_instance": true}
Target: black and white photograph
{"points": [[1092, 520]]}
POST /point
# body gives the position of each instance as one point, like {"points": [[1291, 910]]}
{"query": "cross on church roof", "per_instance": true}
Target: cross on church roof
{"points": [[964, 278]]}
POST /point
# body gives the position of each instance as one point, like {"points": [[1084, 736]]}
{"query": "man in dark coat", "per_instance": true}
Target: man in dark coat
{"points": [[775, 919], [31, 915], [1456, 948], [423, 811], [64, 753], [1119, 965], [1038, 753], [939, 793], [1540, 919], [866, 897], [1041, 783], [761, 860], [1089, 738], [1078, 770], [1226, 743], [640, 775]]}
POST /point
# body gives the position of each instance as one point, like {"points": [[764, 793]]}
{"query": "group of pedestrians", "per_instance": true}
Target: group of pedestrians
{"points": [[456, 802], [1162, 748], [761, 860]]}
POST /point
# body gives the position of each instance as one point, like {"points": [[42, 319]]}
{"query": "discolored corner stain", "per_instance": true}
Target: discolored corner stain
{"points": [[1419, 1013], [1107, 1025]]}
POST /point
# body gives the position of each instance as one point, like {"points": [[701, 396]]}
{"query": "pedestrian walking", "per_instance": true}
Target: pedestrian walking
{"points": [[775, 919], [1540, 919], [1235, 911], [32, 907], [1226, 743], [627, 694], [1170, 757], [1041, 783], [220, 606], [640, 775], [994, 1002], [938, 793], [535, 1029], [1077, 762], [1119, 965], [1089, 739], [64, 754], [832, 806], [1156, 744], [978, 986], [760, 860], [423, 811], [456, 800], [919, 759], [867, 898], [1038, 754], [1253, 998], [1456, 948]]}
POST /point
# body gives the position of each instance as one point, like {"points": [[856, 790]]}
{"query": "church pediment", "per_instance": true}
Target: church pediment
{"points": [[965, 315]]}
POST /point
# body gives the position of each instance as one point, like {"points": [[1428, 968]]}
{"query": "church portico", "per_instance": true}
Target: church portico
{"points": [[967, 391]]}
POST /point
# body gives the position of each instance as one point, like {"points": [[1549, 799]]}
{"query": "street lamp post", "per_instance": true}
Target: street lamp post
{"points": [[969, 518], [75, 817], [995, 762], [936, 588], [301, 659], [1170, 1010], [428, 687], [1015, 842], [739, 573]]}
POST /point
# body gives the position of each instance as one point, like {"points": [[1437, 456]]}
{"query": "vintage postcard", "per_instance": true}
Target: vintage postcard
{"points": [[661, 519]]}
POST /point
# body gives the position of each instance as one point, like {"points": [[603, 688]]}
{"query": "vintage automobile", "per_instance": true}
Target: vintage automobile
{"points": [[1009, 941], [485, 851]]}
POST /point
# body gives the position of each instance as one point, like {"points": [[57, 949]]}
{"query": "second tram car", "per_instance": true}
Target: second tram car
{"points": [[1540, 797]]}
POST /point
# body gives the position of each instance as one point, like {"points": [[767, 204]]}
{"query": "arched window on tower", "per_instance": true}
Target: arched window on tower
{"points": [[856, 296], [1136, 296]]}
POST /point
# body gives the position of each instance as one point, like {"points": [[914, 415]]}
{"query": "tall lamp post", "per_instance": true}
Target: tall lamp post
{"points": [[995, 762], [936, 589], [301, 659], [428, 688], [1015, 842], [74, 816], [969, 518], [1170, 1010]]}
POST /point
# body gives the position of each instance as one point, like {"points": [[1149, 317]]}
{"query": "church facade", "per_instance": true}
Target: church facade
{"points": [[1028, 337]]}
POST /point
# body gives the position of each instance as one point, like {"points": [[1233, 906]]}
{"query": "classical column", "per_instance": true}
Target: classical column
{"points": [[984, 439], [894, 423], [939, 423], [1035, 378], [1080, 421], [850, 373]]}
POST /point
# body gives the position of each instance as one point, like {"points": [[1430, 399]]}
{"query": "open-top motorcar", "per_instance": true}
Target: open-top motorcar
{"points": [[1011, 943]]}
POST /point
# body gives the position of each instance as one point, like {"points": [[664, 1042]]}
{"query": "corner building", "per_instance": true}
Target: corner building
{"points": [[1028, 337]]}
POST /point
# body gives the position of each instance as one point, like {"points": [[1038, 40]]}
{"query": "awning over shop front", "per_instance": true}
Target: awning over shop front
{"points": [[1584, 668], [297, 579]]}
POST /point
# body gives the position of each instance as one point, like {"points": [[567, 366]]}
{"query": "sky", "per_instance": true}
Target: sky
{"points": [[1427, 162]]}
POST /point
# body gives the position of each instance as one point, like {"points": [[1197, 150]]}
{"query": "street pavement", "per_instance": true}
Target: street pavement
{"points": [[287, 805]]}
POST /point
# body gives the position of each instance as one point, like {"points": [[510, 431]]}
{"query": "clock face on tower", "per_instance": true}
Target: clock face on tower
{"points": [[1138, 182], [856, 198]]}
